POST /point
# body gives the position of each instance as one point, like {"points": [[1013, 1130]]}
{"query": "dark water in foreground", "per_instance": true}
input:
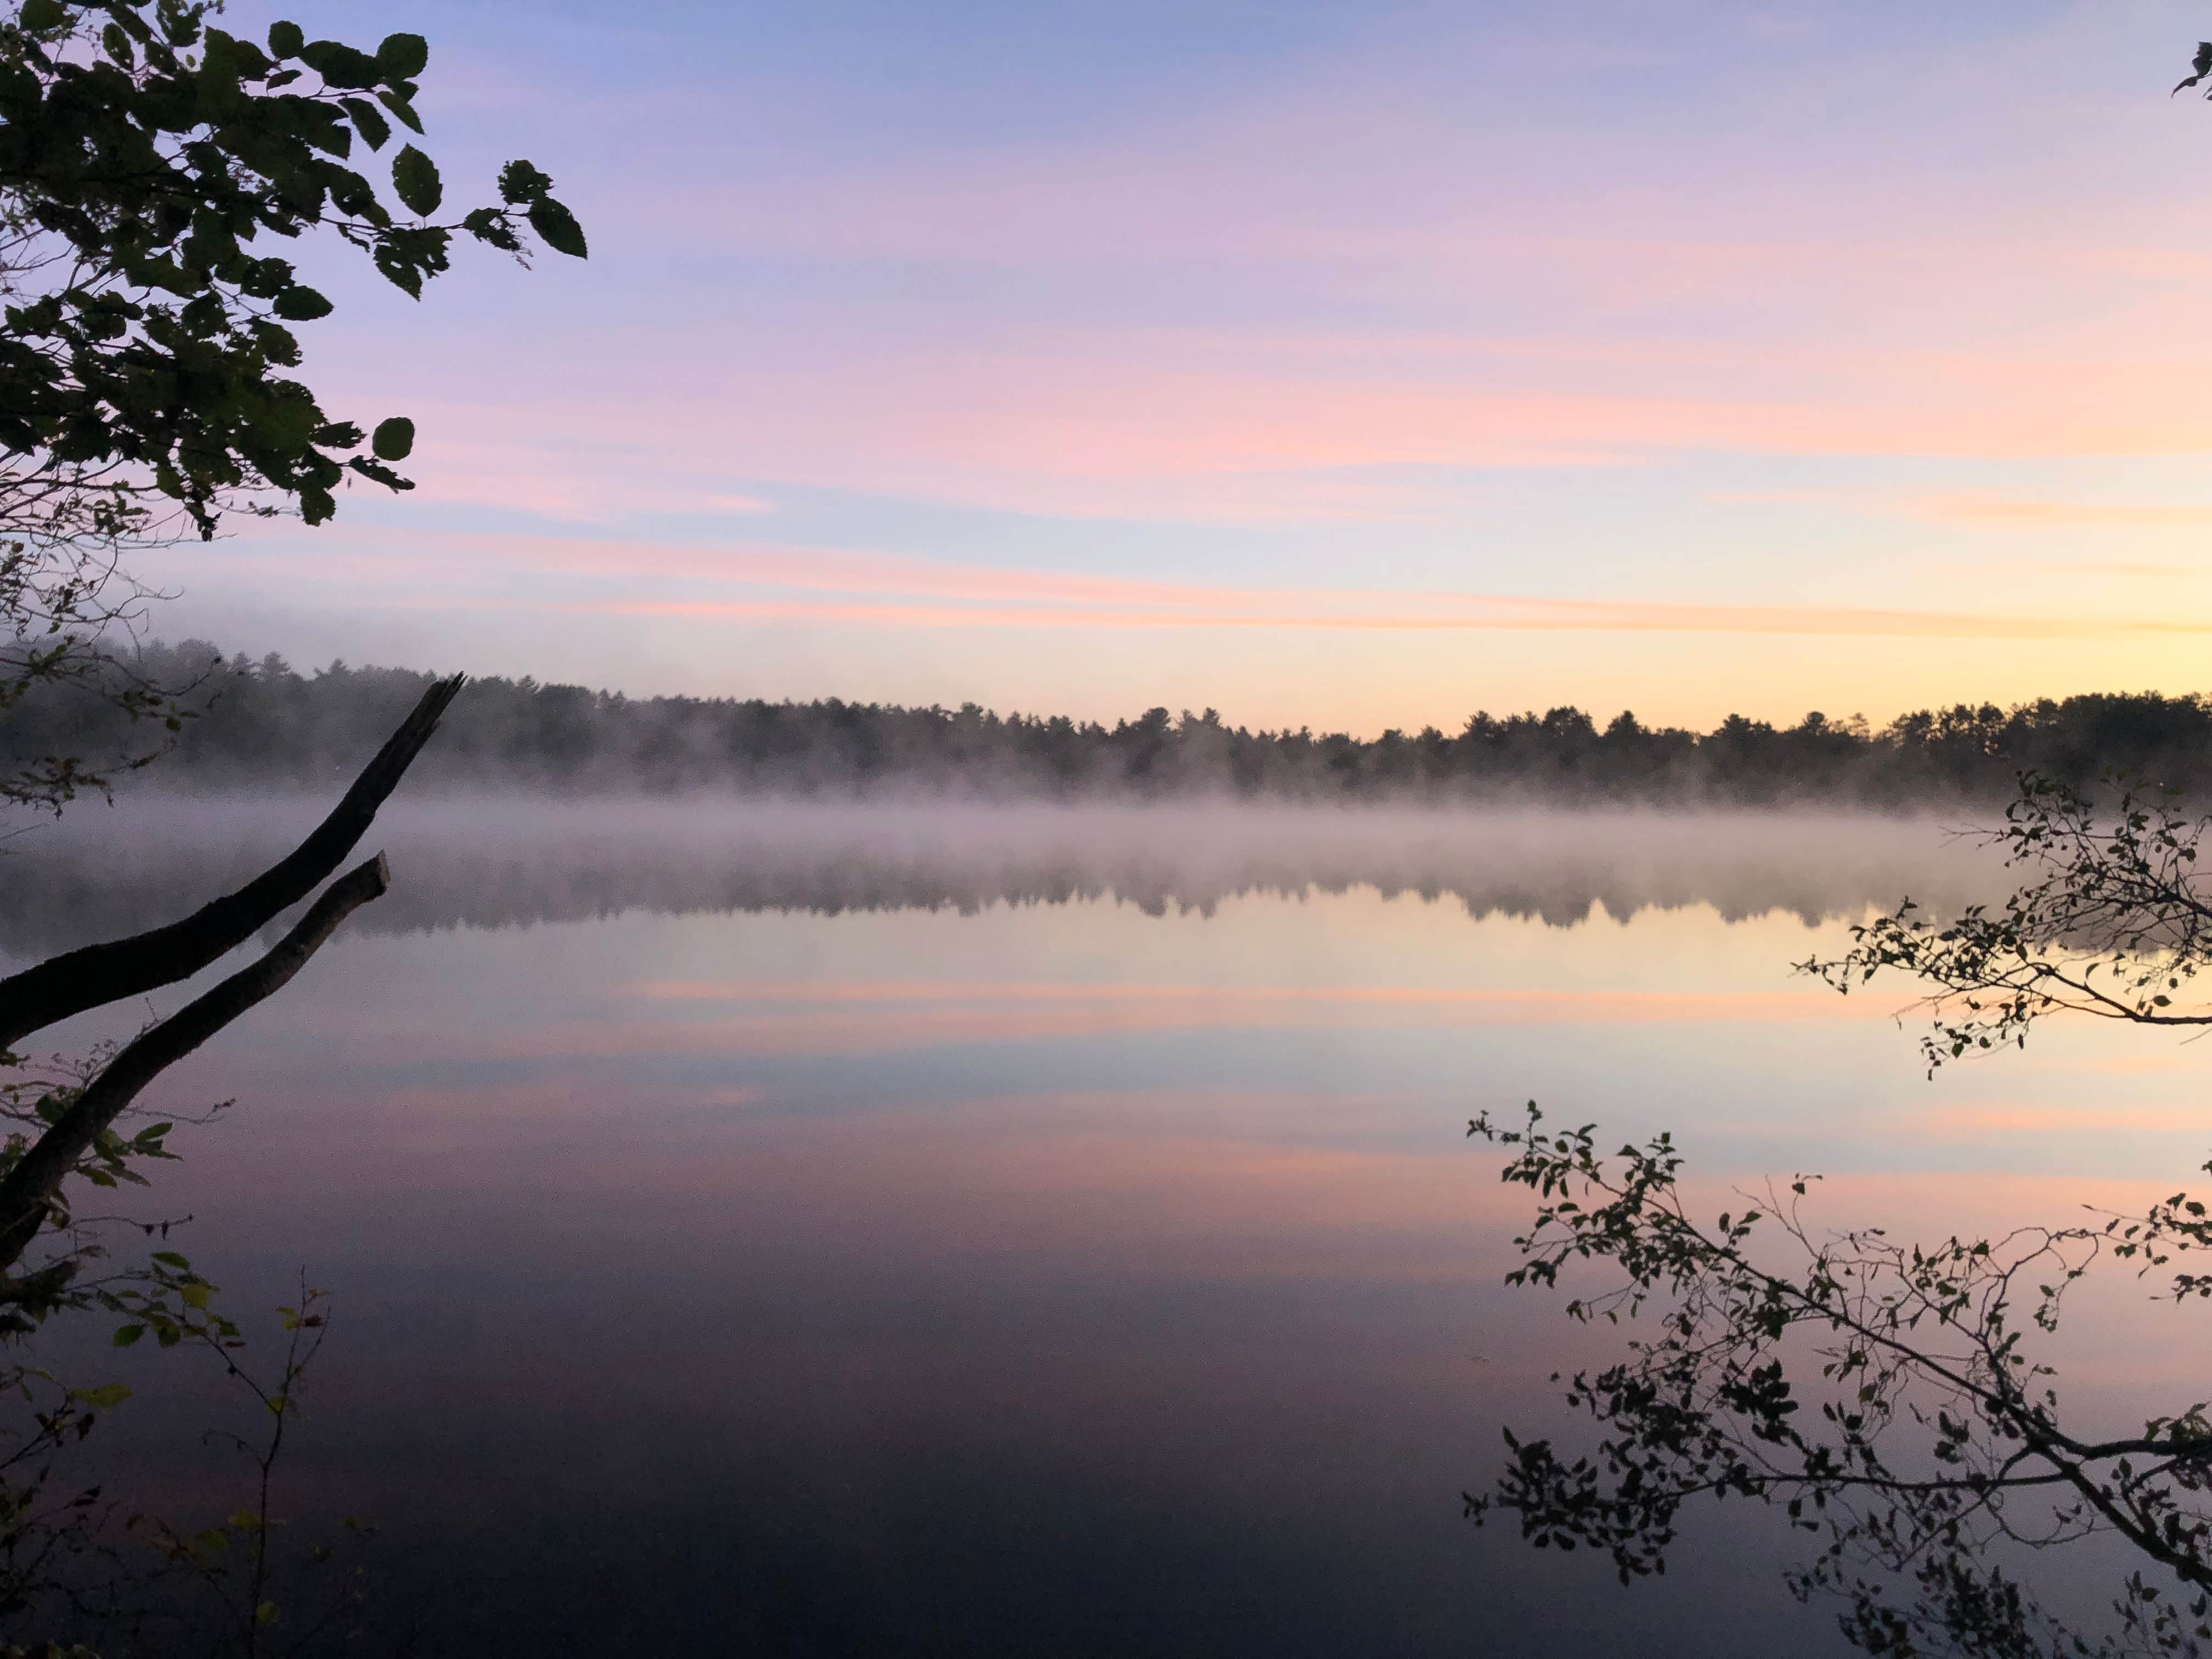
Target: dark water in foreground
{"points": [[841, 1232]]}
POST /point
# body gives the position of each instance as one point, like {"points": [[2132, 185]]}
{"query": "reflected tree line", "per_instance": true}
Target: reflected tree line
{"points": [[1895, 1402], [265, 722], [1886, 1399], [485, 864]]}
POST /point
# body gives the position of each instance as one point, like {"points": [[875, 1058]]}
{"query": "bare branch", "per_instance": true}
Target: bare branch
{"points": [[100, 974], [29, 1189]]}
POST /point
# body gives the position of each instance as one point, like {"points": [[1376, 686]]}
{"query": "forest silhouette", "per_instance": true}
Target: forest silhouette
{"points": [[264, 723]]}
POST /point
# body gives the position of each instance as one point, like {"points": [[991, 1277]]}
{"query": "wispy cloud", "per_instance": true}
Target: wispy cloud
{"points": [[1441, 280], [2067, 515], [1458, 612], [868, 589], [1105, 422]]}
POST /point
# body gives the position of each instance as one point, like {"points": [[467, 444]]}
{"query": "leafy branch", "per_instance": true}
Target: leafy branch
{"points": [[2116, 922], [144, 153], [1883, 1395]]}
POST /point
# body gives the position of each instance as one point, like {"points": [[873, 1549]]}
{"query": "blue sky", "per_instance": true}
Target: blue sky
{"points": [[1349, 365]]}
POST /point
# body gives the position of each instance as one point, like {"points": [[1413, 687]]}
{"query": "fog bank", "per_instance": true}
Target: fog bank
{"points": [[504, 860]]}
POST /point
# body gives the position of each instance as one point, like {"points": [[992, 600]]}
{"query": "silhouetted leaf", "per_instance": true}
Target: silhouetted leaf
{"points": [[300, 305], [341, 66], [490, 225], [368, 120], [415, 177], [394, 439], [521, 183], [557, 226], [402, 56]]}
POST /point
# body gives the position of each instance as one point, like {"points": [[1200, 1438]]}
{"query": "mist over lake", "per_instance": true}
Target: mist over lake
{"points": [[507, 859], [1112, 830], [841, 1229]]}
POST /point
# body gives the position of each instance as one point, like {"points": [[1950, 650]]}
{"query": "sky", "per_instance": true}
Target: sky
{"points": [[1350, 365]]}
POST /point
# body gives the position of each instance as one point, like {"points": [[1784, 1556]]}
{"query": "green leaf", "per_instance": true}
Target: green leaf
{"points": [[398, 270], [393, 439], [401, 56], [380, 473], [104, 1397], [341, 66], [300, 305], [415, 176], [490, 225], [195, 1296], [170, 1259], [232, 59], [557, 226], [129, 1334], [38, 15], [2201, 65], [519, 182], [368, 120], [400, 107], [285, 40]]}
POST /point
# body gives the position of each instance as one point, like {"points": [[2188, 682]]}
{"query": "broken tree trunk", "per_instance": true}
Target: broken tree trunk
{"points": [[96, 975], [100, 974]]}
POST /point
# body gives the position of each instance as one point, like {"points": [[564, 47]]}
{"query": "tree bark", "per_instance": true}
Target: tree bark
{"points": [[98, 973], [29, 1189]]}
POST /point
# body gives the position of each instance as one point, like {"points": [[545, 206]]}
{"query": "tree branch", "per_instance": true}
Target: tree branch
{"points": [[30, 1186], [100, 974]]}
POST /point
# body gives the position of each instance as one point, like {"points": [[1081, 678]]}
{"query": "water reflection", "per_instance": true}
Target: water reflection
{"points": [[832, 1233], [501, 861]]}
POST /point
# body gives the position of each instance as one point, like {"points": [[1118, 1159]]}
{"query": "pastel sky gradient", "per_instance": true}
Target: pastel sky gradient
{"points": [[1347, 363]]}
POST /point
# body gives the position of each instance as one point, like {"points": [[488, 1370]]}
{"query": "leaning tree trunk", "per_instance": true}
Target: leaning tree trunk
{"points": [[97, 974]]}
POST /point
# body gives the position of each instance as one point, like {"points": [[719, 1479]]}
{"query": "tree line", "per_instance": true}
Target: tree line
{"points": [[264, 723]]}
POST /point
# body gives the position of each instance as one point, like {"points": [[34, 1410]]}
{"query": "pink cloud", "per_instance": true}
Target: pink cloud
{"points": [[2067, 515], [879, 589], [1097, 421], [1529, 289], [1472, 614]]}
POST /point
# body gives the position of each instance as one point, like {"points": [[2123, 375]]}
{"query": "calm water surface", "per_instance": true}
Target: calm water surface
{"points": [[830, 1231]]}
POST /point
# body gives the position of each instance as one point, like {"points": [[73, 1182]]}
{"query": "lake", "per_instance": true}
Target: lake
{"points": [[844, 1230]]}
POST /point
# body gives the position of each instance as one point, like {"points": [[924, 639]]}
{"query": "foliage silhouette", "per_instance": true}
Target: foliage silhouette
{"points": [[1936, 1441], [2116, 892], [263, 723], [150, 162], [148, 159], [63, 1135]]}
